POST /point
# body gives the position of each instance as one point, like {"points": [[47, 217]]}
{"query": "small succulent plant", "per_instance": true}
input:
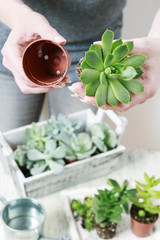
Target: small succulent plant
{"points": [[108, 205], [145, 196], [103, 137], [51, 158], [55, 126], [84, 211], [109, 73], [78, 146]]}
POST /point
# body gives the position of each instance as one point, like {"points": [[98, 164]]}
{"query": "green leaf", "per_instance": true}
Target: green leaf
{"points": [[94, 60], [148, 181], [98, 49], [113, 183], [108, 60], [50, 145], [116, 43], [99, 144], [135, 60], [118, 66], [111, 99], [59, 152], [34, 155], [128, 73], [119, 53], [110, 139], [120, 92], [55, 167], [139, 73], [130, 45], [101, 95], [133, 86], [125, 205], [91, 88], [38, 169], [84, 65], [89, 75], [103, 79], [107, 39]]}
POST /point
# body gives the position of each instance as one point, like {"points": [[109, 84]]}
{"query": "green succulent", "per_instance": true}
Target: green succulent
{"points": [[103, 137], [55, 126], [78, 146], [36, 137], [108, 205], [146, 194], [109, 73], [51, 158], [84, 210]]}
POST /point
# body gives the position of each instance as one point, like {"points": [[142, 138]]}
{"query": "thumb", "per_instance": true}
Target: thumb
{"points": [[51, 33]]}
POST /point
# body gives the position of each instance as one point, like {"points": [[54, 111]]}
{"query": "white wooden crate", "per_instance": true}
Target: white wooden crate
{"points": [[74, 173]]}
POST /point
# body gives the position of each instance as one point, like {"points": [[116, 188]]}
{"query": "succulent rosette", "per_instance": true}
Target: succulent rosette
{"points": [[109, 73]]}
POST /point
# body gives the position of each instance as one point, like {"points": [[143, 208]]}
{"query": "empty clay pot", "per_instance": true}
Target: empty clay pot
{"points": [[45, 63]]}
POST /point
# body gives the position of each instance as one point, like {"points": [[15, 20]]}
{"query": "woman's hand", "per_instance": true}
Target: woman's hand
{"points": [[150, 47], [31, 26]]}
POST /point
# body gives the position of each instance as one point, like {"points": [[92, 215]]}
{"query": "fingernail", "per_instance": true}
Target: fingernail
{"points": [[60, 39], [71, 88], [74, 95]]}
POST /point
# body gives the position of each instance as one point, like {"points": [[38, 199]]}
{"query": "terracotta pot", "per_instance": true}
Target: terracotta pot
{"points": [[142, 229], [106, 232], [45, 62]]}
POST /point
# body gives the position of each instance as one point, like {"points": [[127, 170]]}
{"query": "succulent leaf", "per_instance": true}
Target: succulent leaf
{"points": [[98, 49], [93, 60], [101, 94], [89, 75], [84, 65], [128, 73], [119, 53], [116, 43], [129, 45], [111, 98], [91, 88], [107, 39], [55, 167], [133, 86], [135, 60], [120, 92], [99, 144], [107, 61], [139, 72]]}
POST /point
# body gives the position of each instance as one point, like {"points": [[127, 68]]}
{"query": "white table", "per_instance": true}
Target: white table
{"points": [[132, 165]]}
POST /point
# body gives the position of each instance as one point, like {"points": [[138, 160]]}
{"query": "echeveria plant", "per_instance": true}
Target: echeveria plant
{"points": [[109, 73], [103, 137], [51, 158], [78, 146]]}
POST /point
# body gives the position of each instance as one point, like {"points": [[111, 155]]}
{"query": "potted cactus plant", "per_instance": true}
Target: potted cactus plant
{"points": [[109, 73], [144, 211]]}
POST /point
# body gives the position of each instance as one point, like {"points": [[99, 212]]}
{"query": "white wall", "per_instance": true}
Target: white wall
{"points": [[143, 130]]}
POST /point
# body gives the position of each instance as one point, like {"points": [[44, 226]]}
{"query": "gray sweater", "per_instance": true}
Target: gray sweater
{"points": [[80, 21]]}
